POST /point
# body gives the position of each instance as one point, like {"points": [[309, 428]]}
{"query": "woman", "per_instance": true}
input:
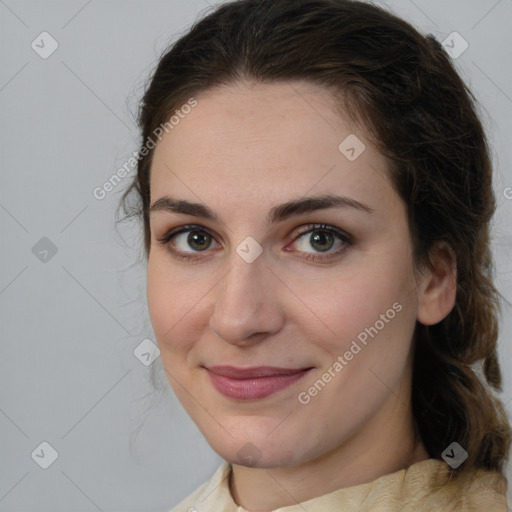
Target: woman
{"points": [[316, 214]]}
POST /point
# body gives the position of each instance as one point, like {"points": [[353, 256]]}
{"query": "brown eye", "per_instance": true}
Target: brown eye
{"points": [[322, 239], [187, 242], [199, 240]]}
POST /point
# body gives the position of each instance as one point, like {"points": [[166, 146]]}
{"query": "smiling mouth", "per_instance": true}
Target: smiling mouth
{"points": [[253, 383]]}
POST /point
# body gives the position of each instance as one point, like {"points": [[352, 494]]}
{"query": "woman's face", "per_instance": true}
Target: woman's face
{"points": [[284, 325]]}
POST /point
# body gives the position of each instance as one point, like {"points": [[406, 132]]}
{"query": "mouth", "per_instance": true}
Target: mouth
{"points": [[254, 383]]}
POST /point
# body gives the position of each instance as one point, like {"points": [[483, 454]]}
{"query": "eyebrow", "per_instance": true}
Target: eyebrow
{"points": [[276, 214]]}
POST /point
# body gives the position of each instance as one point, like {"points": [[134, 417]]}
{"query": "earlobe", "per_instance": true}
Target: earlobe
{"points": [[437, 290]]}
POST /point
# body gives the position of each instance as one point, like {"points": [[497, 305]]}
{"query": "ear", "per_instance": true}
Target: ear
{"points": [[438, 286]]}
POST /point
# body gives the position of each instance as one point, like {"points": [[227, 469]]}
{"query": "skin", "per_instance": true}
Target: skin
{"points": [[242, 150]]}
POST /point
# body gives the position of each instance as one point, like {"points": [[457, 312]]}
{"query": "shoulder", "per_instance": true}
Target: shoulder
{"points": [[199, 500], [473, 491], [431, 485], [483, 490]]}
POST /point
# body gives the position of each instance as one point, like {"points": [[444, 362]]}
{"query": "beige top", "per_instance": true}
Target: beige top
{"points": [[423, 487]]}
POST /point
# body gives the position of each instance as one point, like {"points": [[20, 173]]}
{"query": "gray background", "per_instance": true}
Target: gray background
{"points": [[71, 322]]}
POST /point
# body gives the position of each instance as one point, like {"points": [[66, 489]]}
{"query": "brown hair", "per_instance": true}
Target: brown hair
{"points": [[403, 87]]}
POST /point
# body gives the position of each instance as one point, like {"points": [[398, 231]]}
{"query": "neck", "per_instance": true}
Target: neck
{"points": [[386, 444]]}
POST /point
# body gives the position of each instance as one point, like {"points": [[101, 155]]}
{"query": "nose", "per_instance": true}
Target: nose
{"points": [[247, 308]]}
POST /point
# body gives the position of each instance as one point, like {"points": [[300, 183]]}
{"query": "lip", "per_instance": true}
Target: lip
{"points": [[253, 383]]}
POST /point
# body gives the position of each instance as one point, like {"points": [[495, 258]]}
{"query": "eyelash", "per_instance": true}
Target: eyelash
{"points": [[345, 238]]}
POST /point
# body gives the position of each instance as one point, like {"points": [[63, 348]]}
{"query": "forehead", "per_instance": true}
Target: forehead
{"points": [[264, 140]]}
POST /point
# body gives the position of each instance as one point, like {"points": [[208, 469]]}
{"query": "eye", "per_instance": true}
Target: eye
{"points": [[324, 239], [184, 238]]}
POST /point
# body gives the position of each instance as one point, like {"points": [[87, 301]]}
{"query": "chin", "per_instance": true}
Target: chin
{"points": [[259, 451]]}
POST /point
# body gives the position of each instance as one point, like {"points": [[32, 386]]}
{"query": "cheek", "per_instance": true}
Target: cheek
{"points": [[179, 306], [166, 304], [373, 315], [370, 314], [355, 300], [374, 349], [159, 299]]}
